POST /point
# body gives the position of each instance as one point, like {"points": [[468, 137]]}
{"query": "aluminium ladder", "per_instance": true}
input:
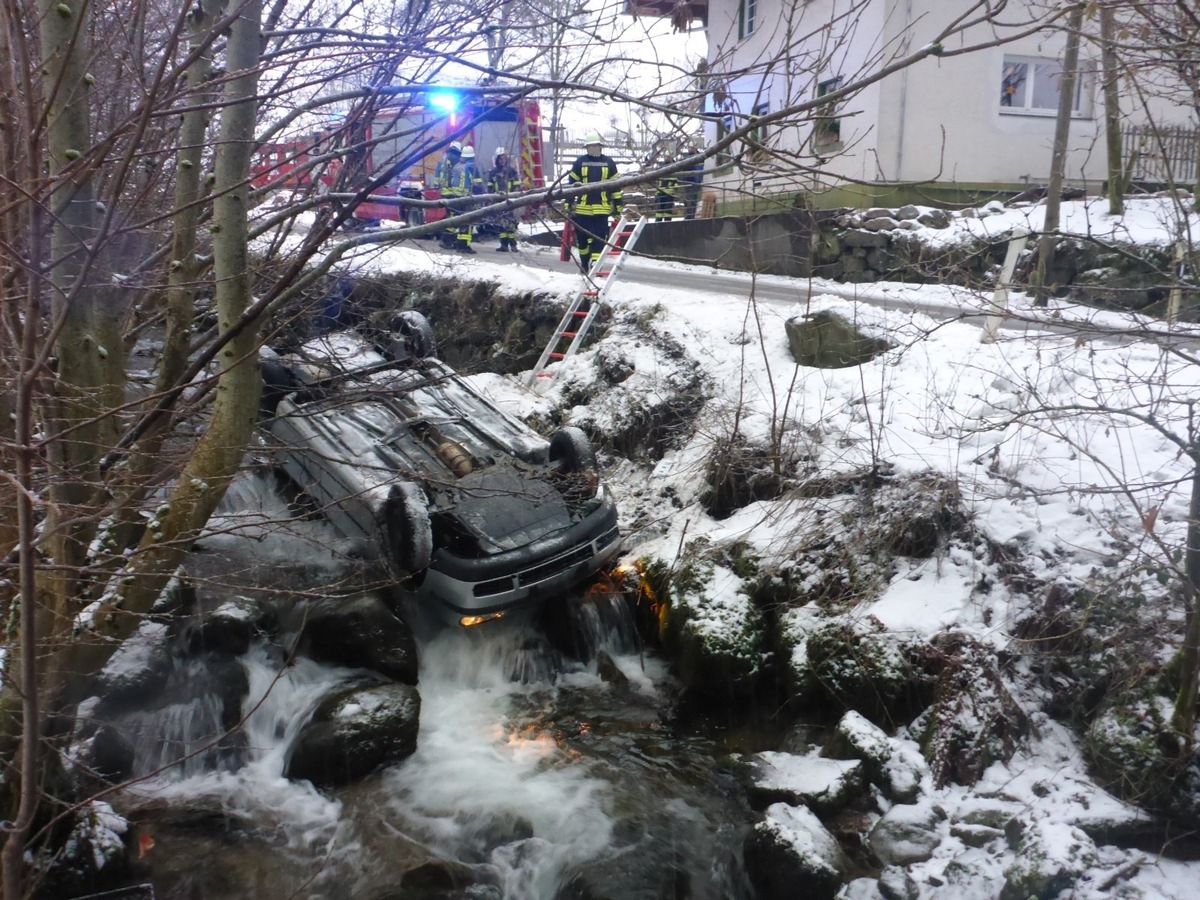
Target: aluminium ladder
{"points": [[583, 308]]}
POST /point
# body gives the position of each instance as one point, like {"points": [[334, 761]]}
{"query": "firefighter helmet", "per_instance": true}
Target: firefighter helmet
{"points": [[468, 152], [592, 137], [500, 151], [455, 147]]}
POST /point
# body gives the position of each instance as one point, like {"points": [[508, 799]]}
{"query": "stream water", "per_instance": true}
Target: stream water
{"points": [[535, 777]]}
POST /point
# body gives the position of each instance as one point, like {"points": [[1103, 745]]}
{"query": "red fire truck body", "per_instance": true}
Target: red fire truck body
{"points": [[411, 138]]}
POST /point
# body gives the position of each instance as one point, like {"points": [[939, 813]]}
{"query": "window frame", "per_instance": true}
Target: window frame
{"points": [[1083, 106], [827, 128], [747, 15]]}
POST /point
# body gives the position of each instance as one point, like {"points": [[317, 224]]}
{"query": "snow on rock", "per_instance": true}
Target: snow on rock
{"points": [[1052, 857], [895, 766], [823, 785], [791, 854], [907, 834]]}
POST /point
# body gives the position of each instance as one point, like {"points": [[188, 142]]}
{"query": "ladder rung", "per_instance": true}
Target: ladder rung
{"points": [[569, 334], [591, 293], [554, 354], [580, 312], [545, 375], [604, 274]]}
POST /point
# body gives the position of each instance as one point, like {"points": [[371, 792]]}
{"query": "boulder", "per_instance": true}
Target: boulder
{"points": [[895, 767], [790, 854], [1051, 858], [713, 629], [906, 834], [907, 212], [92, 859], [228, 627], [896, 884], [859, 238], [355, 731], [825, 786], [934, 218], [361, 633], [826, 340], [881, 224], [854, 664]]}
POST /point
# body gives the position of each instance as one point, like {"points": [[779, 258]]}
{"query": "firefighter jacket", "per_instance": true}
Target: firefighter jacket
{"points": [[503, 180], [457, 179], [589, 169]]}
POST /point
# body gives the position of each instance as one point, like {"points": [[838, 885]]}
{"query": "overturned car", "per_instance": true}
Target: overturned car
{"points": [[473, 514]]}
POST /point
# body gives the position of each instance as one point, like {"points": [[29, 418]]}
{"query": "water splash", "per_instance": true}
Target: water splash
{"points": [[489, 789]]}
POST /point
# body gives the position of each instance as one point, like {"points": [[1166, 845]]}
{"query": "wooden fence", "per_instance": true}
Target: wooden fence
{"points": [[1161, 155]]}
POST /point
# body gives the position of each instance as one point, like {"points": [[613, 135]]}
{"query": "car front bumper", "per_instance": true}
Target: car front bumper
{"points": [[455, 587]]}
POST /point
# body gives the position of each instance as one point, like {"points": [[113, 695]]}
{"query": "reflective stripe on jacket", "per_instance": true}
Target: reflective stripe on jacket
{"points": [[591, 170], [503, 180], [457, 179]]}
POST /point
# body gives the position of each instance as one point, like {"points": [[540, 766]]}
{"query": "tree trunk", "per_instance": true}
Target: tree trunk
{"points": [[183, 273], [1058, 161], [1112, 112], [1183, 719], [219, 452]]}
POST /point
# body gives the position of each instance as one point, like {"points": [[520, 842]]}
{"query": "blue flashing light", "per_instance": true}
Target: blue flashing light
{"points": [[446, 101]]}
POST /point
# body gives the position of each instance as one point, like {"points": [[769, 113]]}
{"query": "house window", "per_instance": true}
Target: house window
{"points": [[758, 136], [1030, 86], [747, 11], [827, 128]]}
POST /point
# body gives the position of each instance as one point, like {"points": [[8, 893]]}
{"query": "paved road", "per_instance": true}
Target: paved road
{"points": [[962, 306]]}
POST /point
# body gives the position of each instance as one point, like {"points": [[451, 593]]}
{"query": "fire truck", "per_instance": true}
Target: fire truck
{"points": [[409, 137]]}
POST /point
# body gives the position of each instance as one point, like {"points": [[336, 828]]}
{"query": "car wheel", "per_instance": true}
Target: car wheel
{"points": [[407, 532], [571, 451], [412, 335], [278, 381]]}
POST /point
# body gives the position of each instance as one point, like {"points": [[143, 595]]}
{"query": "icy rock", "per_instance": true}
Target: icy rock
{"points": [[356, 731], [824, 785], [362, 633], [934, 218], [91, 859], [791, 854], [856, 665], [883, 224], [906, 834], [1052, 857], [861, 889], [895, 767], [907, 212], [825, 340], [877, 212], [975, 835], [896, 884]]}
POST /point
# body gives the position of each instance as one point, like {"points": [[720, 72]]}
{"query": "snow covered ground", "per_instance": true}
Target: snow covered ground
{"points": [[1066, 446]]}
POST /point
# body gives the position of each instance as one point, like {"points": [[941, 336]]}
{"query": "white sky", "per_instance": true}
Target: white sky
{"points": [[940, 401]]}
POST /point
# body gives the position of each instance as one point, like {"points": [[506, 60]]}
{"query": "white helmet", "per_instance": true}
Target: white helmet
{"points": [[454, 146], [592, 137], [468, 152], [500, 151]]}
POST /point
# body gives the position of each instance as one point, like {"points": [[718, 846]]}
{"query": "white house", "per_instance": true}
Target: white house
{"points": [[950, 127]]}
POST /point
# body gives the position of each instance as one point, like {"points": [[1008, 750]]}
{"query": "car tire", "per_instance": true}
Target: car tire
{"points": [[408, 534], [571, 451], [412, 335], [278, 382]]}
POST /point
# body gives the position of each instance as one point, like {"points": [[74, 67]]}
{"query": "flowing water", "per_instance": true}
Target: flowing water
{"points": [[534, 777]]}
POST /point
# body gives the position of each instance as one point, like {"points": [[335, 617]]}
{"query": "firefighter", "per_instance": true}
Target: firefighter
{"points": [[589, 213], [457, 177], [664, 194], [503, 179]]}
